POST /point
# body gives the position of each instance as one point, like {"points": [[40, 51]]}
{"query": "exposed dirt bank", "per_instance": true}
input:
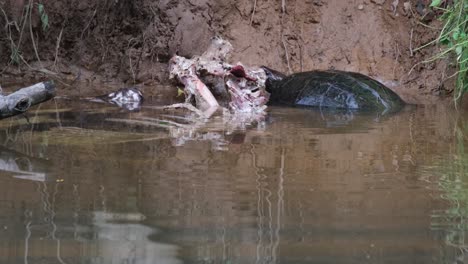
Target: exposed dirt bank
{"points": [[130, 41]]}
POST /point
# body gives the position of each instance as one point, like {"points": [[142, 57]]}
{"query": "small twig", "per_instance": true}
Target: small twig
{"points": [[55, 76], [45, 71], [253, 12], [411, 43], [301, 48], [285, 47], [138, 122], [165, 121], [301, 62], [24, 61], [414, 66], [130, 58], [32, 34], [57, 114], [105, 49], [283, 10], [24, 20], [444, 79], [141, 54], [89, 23], [57, 48], [7, 22], [180, 105], [244, 49], [397, 55], [428, 26]]}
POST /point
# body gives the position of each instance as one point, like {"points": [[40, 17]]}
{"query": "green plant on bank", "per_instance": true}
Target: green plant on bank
{"points": [[454, 35], [44, 17], [15, 55]]}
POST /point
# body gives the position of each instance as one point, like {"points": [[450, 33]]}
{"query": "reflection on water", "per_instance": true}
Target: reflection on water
{"points": [[302, 186], [453, 180]]}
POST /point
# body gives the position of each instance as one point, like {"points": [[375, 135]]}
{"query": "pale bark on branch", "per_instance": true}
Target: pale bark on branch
{"points": [[20, 101]]}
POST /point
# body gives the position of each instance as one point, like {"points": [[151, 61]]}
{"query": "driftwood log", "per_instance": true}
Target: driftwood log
{"points": [[21, 100]]}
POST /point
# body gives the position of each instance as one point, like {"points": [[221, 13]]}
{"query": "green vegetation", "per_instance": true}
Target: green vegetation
{"points": [[454, 35], [44, 17]]}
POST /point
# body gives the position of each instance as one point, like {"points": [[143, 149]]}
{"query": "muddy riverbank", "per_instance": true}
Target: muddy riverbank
{"points": [[126, 42]]}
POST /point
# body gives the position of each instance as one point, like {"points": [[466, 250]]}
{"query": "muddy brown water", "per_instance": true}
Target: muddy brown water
{"points": [[79, 185]]}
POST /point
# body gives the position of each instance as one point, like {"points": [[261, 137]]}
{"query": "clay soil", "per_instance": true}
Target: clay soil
{"points": [[126, 42]]}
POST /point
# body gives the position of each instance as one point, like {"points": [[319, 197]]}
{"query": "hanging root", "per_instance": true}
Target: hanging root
{"points": [[283, 40], [253, 12]]}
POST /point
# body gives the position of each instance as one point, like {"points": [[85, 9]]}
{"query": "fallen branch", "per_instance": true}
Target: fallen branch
{"points": [[21, 100]]}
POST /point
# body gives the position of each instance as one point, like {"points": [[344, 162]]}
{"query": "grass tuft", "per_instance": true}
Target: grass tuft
{"points": [[454, 36]]}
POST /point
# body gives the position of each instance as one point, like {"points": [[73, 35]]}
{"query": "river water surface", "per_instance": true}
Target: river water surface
{"points": [[90, 183]]}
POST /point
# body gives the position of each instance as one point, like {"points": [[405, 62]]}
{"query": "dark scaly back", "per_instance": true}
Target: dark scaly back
{"points": [[335, 89], [273, 78]]}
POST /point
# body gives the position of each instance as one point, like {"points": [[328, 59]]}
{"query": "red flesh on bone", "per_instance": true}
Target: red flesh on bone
{"points": [[239, 72]]}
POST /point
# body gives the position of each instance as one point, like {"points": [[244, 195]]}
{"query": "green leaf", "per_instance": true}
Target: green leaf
{"points": [[455, 35], [436, 3], [459, 50], [40, 7], [463, 35], [45, 22], [44, 16], [15, 57], [180, 92], [444, 41]]}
